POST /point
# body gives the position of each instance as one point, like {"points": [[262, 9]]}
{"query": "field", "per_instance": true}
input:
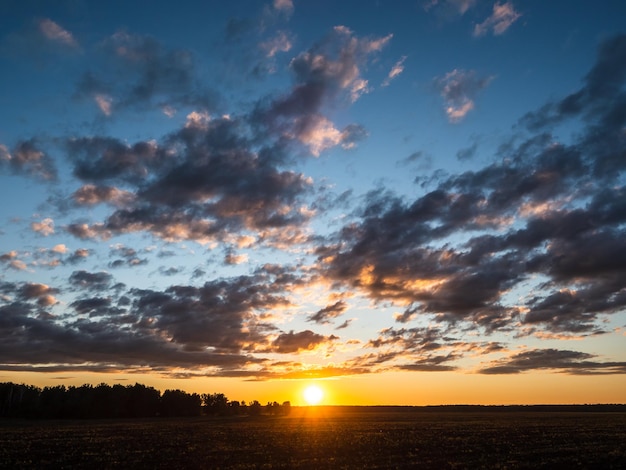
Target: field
{"points": [[324, 438]]}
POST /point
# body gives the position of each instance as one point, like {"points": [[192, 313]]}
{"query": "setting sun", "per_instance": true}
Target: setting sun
{"points": [[313, 394]]}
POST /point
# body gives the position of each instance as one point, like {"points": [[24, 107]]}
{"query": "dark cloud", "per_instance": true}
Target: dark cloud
{"points": [[89, 195], [127, 257], [171, 271], [28, 159], [570, 362], [329, 71], [187, 326], [108, 345], [411, 340], [603, 91], [467, 153], [420, 159], [220, 314], [329, 312], [204, 182], [137, 71], [302, 341], [431, 364], [548, 208], [95, 306], [219, 176], [99, 159], [91, 281]]}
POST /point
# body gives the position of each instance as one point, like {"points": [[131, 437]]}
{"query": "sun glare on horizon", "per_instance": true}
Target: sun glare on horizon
{"points": [[313, 395]]}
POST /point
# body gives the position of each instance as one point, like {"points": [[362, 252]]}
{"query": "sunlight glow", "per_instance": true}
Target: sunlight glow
{"points": [[313, 394]]}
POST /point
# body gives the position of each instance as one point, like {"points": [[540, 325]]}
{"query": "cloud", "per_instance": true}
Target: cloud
{"points": [[327, 73], [126, 257], [6, 257], [41, 40], [233, 258], [201, 183], [449, 7], [503, 16], [467, 153], [329, 312], [302, 341], [45, 227], [601, 94], [544, 209], [279, 43], [458, 89], [99, 281], [396, 70], [422, 159], [104, 102], [78, 255], [211, 329], [319, 134], [105, 158], [132, 71], [566, 361], [546, 213], [27, 159], [89, 195], [430, 364], [284, 5], [85, 231], [56, 33]]}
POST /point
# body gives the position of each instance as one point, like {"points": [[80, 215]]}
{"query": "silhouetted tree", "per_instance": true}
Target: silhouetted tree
{"points": [[118, 401], [234, 407], [254, 408], [18, 400], [142, 401], [215, 403], [180, 403], [52, 402]]}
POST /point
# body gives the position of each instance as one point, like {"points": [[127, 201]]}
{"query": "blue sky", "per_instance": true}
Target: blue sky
{"points": [[271, 191]]}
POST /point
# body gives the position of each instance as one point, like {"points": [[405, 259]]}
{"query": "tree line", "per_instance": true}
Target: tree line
{"points": [[119, 401]]}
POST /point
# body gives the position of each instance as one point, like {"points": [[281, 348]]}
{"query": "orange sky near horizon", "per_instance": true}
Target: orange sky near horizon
{"points": [[390, 388]]}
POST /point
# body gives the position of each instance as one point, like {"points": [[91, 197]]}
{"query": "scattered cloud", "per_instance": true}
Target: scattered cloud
{"points": [[329, 312], [448, 7], [41, 40], [459, 89], [28, 159], [56, 33], [284, 5], [137, 72], [503, 16], [566, 361], [302, 341], [279, 43], [45, 227], [396, 70]]}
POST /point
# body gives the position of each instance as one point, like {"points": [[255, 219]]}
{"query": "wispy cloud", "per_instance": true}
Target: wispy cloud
{"points": [[396, 70], [53, 32], [459, 89], [503, 16]]}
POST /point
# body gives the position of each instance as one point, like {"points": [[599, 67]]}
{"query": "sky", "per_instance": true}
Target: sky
{"points": [[409, 202]]}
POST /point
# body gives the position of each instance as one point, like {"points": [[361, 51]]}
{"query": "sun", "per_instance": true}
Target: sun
{"points": [[313, 394]]}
